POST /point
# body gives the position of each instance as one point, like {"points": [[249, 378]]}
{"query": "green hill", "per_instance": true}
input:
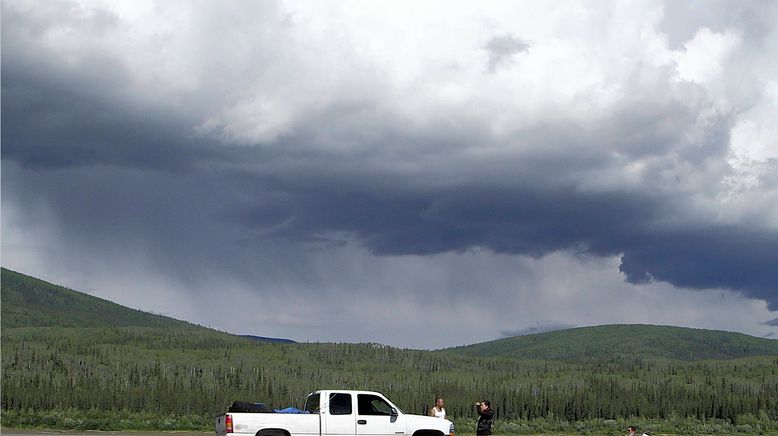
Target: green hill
{"points": [[625, 342], [27, 301], [70, 360], [30, 302]]}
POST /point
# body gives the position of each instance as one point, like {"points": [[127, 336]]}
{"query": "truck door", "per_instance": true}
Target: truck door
{"points": [[375, 418], [340, 420]]}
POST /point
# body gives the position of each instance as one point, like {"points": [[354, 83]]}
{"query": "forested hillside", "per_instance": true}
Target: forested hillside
{"points": [[64, 366], [625, 342], [27, 301]]}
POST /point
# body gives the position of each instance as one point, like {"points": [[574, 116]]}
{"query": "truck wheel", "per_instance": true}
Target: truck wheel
{"points": [[428, 433], [273, 432]]}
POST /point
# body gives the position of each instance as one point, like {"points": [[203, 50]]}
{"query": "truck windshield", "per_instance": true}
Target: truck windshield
{"points": [[312, 403]]}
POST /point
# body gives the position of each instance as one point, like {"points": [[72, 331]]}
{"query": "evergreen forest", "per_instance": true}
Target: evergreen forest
{"points": [[71, 360]]}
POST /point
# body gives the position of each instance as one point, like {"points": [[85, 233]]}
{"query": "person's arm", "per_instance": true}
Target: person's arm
{"points": [[431, 412]]}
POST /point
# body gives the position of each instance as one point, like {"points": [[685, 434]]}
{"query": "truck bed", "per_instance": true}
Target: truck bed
{"points": [[246, 423]]}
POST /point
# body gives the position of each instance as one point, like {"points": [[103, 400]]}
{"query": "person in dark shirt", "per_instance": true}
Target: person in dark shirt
{"points": [[485, 416]]}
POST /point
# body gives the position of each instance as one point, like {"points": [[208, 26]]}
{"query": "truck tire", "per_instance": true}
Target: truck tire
{"points": [[427, 433], [273, 432]]}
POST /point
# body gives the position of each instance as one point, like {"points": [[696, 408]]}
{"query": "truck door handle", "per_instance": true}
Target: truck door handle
{"points": [[362, 421]]}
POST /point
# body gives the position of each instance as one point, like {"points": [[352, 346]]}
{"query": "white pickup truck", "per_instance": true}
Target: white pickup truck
{"points": [[336, 413]]}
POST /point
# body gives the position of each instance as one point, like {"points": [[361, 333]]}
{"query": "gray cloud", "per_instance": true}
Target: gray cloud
{"points": [[681, 20], [244, 170], [773, 322], [541, 327], [502, 48], [50, 125]]}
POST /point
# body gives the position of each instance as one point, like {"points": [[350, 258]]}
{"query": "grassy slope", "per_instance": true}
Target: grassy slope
{"points": [[625, 341], [29, 302]]}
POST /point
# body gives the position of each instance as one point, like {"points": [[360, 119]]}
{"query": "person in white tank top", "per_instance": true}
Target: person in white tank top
{"points": [[439, 411]]}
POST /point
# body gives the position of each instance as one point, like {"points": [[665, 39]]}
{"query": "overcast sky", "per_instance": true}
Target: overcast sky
{"points": [[419, 174]]}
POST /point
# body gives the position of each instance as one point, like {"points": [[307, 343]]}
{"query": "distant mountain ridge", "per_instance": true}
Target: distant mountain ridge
{"points": [[630, 341], [266, 339], [30, 302]]}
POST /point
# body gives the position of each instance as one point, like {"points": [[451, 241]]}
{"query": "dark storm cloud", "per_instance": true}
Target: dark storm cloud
{"points": [[537, 222], [118, 173], [729, 257], [51, 123], [773, 322], [50, 127], [502, 48]]}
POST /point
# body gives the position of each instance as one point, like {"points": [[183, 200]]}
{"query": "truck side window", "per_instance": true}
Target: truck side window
{"points": [[312, 403], [340, 404], [373, 405]]}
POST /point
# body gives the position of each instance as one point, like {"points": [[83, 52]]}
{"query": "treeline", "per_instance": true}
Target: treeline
{"points": [[195, 372]]}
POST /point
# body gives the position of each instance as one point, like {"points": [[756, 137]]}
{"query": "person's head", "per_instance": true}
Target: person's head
{"points": [[485, 404], [631, 429], [439, 402]]}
